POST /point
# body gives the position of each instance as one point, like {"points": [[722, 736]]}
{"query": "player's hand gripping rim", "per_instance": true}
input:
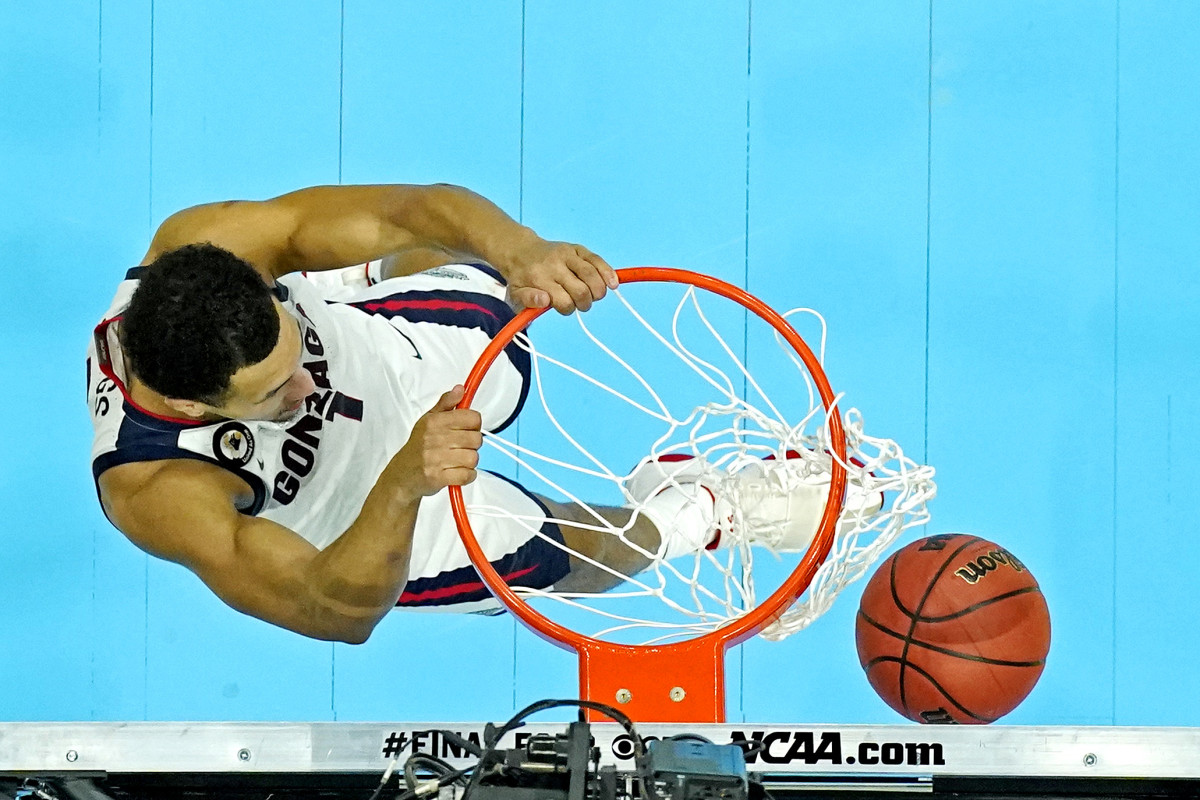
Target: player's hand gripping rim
{"points": [[443, 449], [566, 277]]}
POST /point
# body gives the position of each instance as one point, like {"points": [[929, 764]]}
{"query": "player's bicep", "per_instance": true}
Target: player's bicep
{"points": [[263, 571], [340, 226], [318, 228], [254, 565]]}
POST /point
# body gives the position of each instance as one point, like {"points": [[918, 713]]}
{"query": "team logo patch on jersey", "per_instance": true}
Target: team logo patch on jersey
{"points": [[233, 444], [445, 272]]}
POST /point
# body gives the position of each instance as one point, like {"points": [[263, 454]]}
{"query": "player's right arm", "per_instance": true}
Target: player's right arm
{"points": [[327, 227], [186, 511]]}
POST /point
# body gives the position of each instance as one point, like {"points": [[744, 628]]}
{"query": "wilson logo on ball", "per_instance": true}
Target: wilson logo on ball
{"points": [[977, 568], [941, 645]]}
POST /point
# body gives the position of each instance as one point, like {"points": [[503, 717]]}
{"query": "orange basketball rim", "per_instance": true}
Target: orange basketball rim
{"points": [[682, 681]]}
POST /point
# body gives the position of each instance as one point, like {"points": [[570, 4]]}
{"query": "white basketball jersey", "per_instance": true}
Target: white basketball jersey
{"points": [[380, 358]]}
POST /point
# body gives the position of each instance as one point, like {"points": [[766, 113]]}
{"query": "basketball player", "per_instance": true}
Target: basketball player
{"points": [[289, 438]]}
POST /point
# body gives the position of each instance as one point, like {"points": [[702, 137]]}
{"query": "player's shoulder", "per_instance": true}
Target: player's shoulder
{"points": [[154, 503], [254, 230]]}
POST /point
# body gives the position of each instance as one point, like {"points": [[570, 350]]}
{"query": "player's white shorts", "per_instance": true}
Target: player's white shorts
{"points": [[441, 576], [449, 315]]}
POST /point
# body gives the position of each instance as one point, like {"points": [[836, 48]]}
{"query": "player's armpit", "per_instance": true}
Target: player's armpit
{"points": [[185, 513]]}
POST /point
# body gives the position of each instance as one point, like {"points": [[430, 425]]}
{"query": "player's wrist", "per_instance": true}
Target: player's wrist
{"points": [[405, 496], [460, 219], [511, 249], [396, 493]]}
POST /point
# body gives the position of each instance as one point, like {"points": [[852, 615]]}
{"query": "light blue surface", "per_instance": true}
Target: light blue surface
{"points": [[245, 104], [635, 141], [837, 171], [1021, 314], [994, 206], [1158, 400], [119, 209], [432, 93]]}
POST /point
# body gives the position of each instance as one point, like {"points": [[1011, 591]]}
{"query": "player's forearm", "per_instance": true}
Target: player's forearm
{"points": [[362, 574], [359, 577]]}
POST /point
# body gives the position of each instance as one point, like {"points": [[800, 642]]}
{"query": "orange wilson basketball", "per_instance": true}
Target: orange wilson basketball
{"points": [[953, 629]]}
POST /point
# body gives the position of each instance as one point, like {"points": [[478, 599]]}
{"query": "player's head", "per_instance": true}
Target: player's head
{"points": [[205, 332]]}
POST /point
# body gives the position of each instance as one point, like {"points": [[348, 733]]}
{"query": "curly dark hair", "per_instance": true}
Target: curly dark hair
{"points": [[198, 315]]}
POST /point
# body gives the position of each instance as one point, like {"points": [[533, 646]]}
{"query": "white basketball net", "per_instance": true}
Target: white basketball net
{"points": [[740, 425]]}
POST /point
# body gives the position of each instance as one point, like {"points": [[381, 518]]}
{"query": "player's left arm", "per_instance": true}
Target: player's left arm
{"points": [[328, 227]]}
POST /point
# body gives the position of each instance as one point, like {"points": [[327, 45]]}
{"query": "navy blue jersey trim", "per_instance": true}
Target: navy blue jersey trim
{"points": [[537, 564], [142, 452], [519, 358], [442, 306], [143, 419], [487, 269], [459, 309], [149, 452], [142, 437]]}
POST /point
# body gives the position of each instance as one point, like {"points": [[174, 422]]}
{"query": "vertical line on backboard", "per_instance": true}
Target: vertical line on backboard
{"points": [[333, 681], [150, 231], [146, 637], [99, 118], [746, 209], [1116, 311], [520, 219], [92, 661], [150, 156], [521, 132], [928, 222], [341, 84], [745, 314]]}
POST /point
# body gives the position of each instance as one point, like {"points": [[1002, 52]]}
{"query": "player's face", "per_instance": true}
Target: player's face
{"points": [[273, 389]]}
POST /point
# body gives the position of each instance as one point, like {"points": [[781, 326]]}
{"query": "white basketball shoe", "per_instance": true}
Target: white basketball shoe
{"points": [[777, 504]]}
